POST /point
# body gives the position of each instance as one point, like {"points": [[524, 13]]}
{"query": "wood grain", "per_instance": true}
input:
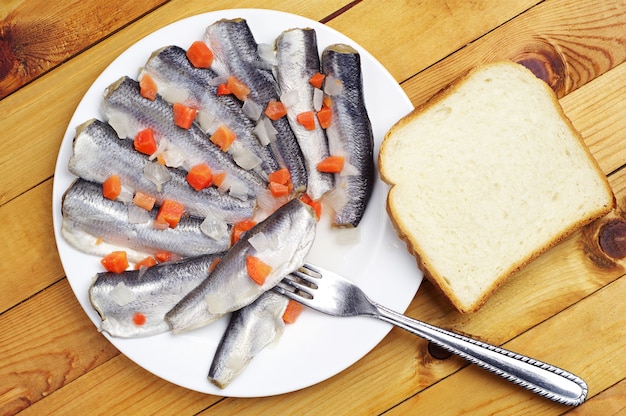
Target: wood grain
{"points": [[566, 307], [568, 43], [34, 36]]}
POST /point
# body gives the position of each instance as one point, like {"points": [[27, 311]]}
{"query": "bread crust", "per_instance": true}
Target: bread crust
{"points": [[414, 246]]}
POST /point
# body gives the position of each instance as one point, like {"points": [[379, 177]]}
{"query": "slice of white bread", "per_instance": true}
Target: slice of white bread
{"points": [[485, 177]]}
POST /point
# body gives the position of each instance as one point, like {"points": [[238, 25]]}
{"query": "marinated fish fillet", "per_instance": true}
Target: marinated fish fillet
{"points": [[179, 81], [350, 134], [249, 330], [281, 241], [235, 53], [128, 113], [93, 223], [98, 153], [298, 61], [133, 303]]}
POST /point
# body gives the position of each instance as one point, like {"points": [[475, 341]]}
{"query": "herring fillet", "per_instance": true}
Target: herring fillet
{"points": [[249, 330], [235, 53], [182, 82], [126, 110], [97, 153], [88, 217], [350, 134], [150, 292], [298, 61], [289, 233]]}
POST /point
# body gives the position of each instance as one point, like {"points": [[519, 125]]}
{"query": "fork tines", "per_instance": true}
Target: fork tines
{"points": [[300, 283]]}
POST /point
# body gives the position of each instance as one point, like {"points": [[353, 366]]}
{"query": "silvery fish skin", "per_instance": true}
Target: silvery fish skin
{"points": [[291, 230], [235, 53], [182, 82], [298, 61], [125, 109], [150, 292], [350, 134], [98, 153], [250, 329], [88, 217]]}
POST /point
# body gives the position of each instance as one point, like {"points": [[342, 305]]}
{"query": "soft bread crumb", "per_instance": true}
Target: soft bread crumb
{"points": [[486, 176]]}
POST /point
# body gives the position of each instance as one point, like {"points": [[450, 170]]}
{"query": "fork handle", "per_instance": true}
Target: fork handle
{"points": [[544, 379]]}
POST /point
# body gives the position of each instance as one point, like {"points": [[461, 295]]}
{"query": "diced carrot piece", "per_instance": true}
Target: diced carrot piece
{"points": [[115, 262], [324, 116], [200, 55], [147, 262], [223, 137], [218, 178], [327, 101], [183, 115], [163, 256], [238, 88], [112, 187], [144, 201], [147, 87], [240, 228], [144, 142], [275, 110], [331, 164], [161, 159], [200, 177], [306, 119], [294, 309], [139, 318], [257, 269], [281, 176], [223, 89], [316, 205], [278, 189], [170, 212], [317, 80]]}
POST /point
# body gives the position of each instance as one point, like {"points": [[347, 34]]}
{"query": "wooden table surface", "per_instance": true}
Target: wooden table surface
{"points": [[566, 308]]}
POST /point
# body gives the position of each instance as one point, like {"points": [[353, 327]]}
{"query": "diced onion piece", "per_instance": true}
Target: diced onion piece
{"points": [[137, 215], [318, 99], [349, 170], [126, 195], [161, 147], [290, 98], [173, 94], [243, 156], [333, 86], [238, 190], [267, 54], [121, 124], [214, 227], [122, 295], [265, 131], [252, 109], [157, 174], [259, 241], [336, 199], [206, 120], [219, 80], [173, 156]]}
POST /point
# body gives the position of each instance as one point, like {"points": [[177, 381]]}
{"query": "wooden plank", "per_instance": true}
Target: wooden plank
{"points": [[35, 36], [427, 31], [46, 343], [611, 401], [133, 391], [569, 41], [27, 243], [579, 327]]}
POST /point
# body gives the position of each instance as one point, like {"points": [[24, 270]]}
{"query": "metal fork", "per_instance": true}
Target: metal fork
{"points": [[333, 294]]}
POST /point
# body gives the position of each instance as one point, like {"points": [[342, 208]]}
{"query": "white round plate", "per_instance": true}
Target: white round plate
{"points": [[317, 346]]}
